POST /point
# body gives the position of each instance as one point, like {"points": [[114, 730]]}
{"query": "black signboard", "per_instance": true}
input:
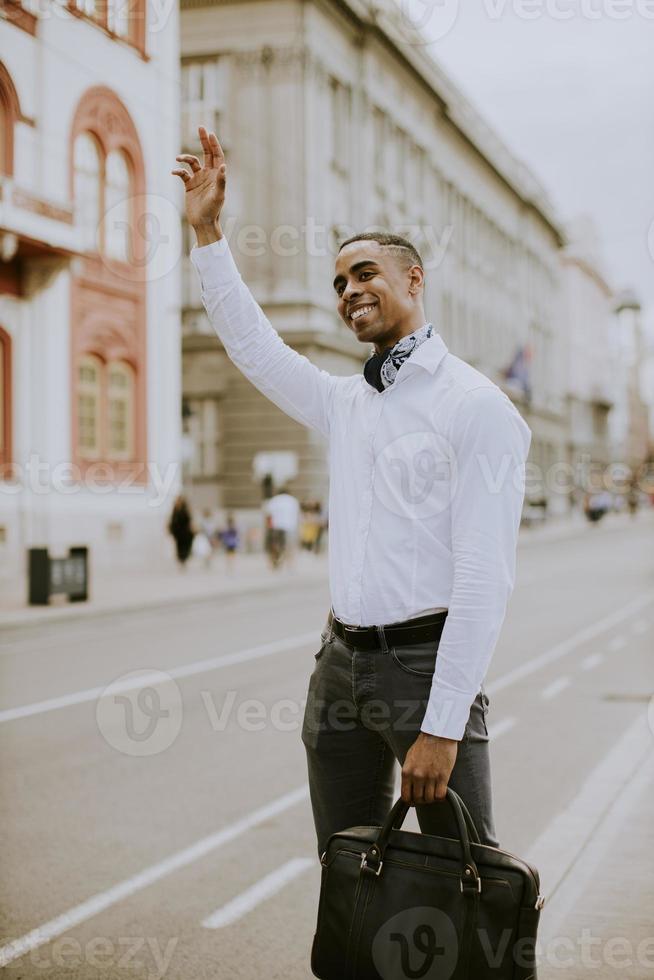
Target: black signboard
{"points": [[58, 576]]}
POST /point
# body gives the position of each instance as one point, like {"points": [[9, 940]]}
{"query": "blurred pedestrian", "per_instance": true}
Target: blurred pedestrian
{"points": [[180, 526], [633, 499], [310, 525], [230, 539], [208, 535], [282, 513]]}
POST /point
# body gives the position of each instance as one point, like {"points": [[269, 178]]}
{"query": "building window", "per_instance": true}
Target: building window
{"points": [[118, 20], [89, 407], [5, 400], [117, 207], [10, 112], [105, 410], [88, 189], [339, 117], [124, 19], [205, 431], [5, 122], [102, 190], [379, 149], [204, 97], [88, 7], [120, 411]]}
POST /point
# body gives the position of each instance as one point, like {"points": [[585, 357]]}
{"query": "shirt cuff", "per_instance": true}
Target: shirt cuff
{"points": [[214, 264], [447, 714]]}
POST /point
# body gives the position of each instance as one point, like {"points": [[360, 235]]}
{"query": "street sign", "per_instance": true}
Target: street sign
{"points": [[57, 576]]}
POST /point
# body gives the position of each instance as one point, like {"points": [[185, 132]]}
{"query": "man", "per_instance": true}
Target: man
{"points": [[426, 490], [283, 512]]}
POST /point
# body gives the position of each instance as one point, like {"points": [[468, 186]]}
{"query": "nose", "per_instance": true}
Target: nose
{"points": [[350, 291]]}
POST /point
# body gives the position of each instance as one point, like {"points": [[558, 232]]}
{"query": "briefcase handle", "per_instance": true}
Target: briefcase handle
{"points": [[373, 859]]}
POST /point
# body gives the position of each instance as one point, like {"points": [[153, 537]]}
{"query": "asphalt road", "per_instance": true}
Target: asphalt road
{"points": [[166, 830]]}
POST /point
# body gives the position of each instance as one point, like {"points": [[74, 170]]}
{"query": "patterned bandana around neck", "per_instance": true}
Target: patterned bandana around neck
{"points": [[380, 370]]}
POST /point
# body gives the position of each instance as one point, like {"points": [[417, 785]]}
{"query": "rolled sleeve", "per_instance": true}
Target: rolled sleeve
{"points": [[489, 444]]}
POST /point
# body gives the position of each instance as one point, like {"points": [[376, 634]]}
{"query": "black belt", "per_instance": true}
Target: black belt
{"points": [[422, 629]]}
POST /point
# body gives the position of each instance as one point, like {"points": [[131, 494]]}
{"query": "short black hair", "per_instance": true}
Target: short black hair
{"points": [[402, 248]]}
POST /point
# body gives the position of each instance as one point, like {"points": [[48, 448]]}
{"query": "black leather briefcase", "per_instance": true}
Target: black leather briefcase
{"points": [[396, 905]]}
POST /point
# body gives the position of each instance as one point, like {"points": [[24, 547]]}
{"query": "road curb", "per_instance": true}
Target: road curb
{"points": [[34, 616]]}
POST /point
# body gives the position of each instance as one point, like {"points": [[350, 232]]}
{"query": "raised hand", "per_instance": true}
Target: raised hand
{"points": [[204, 185]]}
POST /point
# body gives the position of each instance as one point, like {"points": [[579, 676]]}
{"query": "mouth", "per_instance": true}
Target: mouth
{"points": [[361, 312]]}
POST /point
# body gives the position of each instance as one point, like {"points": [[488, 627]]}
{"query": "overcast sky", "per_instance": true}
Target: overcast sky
{"points": [[574, 99]]}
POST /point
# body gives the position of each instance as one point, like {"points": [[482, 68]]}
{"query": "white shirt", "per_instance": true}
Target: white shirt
{"points": [[284, 510], [426, 484]]}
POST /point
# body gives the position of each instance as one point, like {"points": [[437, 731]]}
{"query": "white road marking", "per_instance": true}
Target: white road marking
{"points": [[592, 661], [258, 893], [617, 643], [495, 729], [571, 847], [281, 646], [184, 670], [555, 688], [639, 627], [567, 646], [104, 900]]}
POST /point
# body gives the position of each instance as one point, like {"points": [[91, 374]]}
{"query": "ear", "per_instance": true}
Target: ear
{"points": [[416, 279]]}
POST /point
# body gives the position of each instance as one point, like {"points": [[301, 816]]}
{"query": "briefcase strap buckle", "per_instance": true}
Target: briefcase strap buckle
{"points": [[469, 880], [366, 867]]}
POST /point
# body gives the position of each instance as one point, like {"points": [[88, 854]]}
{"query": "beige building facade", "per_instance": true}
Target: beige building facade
{"points": [[334, 122], [592, 363]]}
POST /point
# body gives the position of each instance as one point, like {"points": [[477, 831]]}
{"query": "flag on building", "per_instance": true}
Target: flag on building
{"points": [[518, 373]]}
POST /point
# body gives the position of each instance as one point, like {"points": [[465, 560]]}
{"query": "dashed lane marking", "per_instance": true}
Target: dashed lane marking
{"points": [[124, 889], [258, 893]]}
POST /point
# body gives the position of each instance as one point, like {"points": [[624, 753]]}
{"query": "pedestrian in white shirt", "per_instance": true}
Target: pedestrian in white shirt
{"points": [[426, 489], [283, 510]]}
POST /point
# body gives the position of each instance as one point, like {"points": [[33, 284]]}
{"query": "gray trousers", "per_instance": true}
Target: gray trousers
{"points": [[363, 714]]}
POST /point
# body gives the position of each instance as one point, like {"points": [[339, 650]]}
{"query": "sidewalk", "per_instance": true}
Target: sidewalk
{"points": [[576, 524], [607, 927], [143, 588], [140, 588]]}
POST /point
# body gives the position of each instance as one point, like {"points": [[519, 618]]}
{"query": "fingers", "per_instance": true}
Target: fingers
{"points": [[417, 788], [184, 174], [192, 161], [213, 152], [413, 788]]}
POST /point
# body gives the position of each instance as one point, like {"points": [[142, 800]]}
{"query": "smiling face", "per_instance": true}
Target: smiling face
{"points": [[379, 293]]}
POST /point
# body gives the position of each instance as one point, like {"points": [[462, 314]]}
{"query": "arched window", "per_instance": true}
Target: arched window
{"points": [[118, 17], [10, 113], [120, 411], [5, 122], [88, 188], [5, 399], [89, 407], [88, 7], [117, 207]]}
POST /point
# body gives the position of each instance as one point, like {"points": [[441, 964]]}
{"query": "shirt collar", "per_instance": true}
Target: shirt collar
{"points": [[428, 356]]}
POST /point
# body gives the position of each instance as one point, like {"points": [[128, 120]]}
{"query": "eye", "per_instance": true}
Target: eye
{"points": [[367, 272]]}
